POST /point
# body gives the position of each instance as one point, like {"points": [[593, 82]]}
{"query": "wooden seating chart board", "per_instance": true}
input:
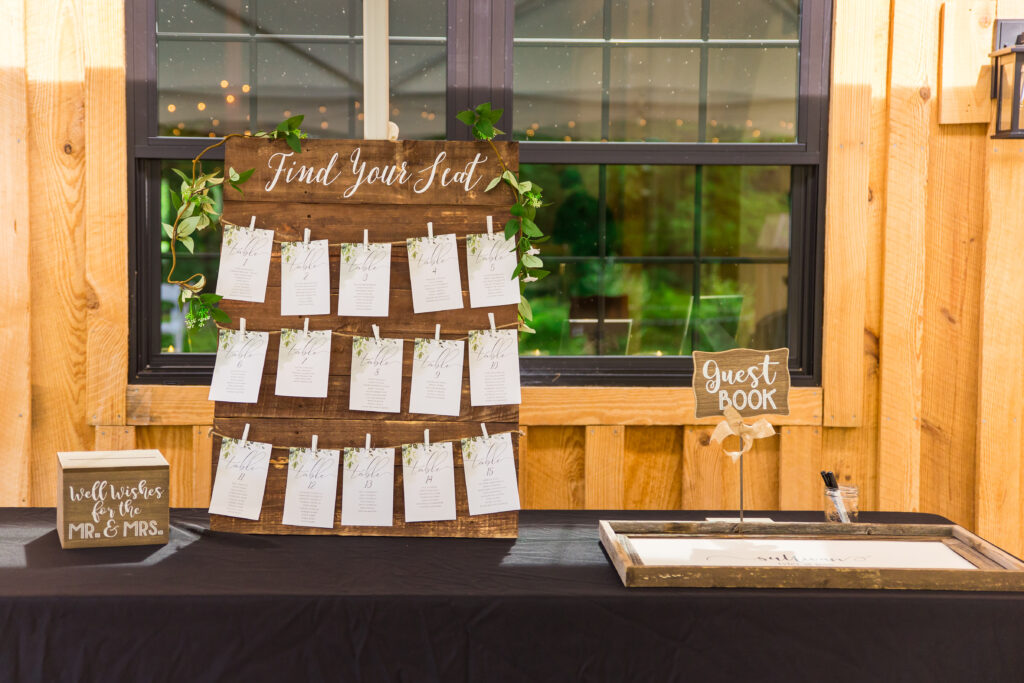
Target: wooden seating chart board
{"points": [[338, 188]]}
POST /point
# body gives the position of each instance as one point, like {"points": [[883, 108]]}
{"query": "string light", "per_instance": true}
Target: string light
{"points": [[224, 84], [181, 125], [572, 124], [201, 106], [679, 122], [287, 113], [714, 139], [394, 112], [171, 108], [642, 122], [359, 116], [176, 131], [215, 122], [322, 109], [529, 132], [756, 133], [211, 134], [357, 104], [568, 138], [245, 87], [230, 99], [430, 117], [323, 125], [750, 124]]}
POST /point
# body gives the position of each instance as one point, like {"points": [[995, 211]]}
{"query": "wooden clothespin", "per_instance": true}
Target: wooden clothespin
{"points": [[367, 442], [430, 229], [366, 238], [314, 444], [305, 236], [483, 428], [245, 435], [437, 332], [376, 332], [252, 223], [305, 326], [490, 226], [426, 438], [490, 318], [241, 325]]}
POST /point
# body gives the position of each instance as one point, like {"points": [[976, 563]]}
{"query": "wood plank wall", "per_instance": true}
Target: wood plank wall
{"points": [[921, 403]]}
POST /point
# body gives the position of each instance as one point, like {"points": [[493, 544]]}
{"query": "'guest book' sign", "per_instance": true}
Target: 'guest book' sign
{"points": [[107, 498], [750, 381], [407, 288]]}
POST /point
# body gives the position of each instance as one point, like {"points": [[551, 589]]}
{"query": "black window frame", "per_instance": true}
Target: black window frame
{"points": [[480, 68]]}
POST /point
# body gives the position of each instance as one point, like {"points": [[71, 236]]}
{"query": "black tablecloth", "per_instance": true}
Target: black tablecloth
{"points": [[546, 607]]}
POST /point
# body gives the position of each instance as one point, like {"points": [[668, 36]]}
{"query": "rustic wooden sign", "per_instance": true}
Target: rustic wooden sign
{"points": [[338, 188], [108, 498], [751, 381], [959, 560]]}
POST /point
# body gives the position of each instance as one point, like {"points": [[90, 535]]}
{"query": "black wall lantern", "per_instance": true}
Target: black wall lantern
{"points": [[1008, 78]]}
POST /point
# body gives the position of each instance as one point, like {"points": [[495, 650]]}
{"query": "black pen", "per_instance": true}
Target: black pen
{"points": [[832, 491]]}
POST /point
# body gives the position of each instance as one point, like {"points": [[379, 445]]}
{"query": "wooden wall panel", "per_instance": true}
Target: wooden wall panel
{"points": [[953, 258], [800, 483], [55, 62], [552, 469], [603, 462], [177, 446], [912, 82], [711, 478], [15, 267], [653, 468], [965, 68]]}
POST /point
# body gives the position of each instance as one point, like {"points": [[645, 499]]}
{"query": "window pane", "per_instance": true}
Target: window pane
{"points": [[745, 211], [631, 276], [205, 260], [773, 19], [634, 71], [248, 78], [741, 305], [752, 95]]}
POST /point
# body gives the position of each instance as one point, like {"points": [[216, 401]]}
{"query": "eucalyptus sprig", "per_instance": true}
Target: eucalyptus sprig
{"points": [[527, 196], [196, 211]]}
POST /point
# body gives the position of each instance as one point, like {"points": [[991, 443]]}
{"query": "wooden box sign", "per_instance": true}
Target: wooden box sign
{"points": [[108, 498], [807, 555], [751, 381], [338, 188]]}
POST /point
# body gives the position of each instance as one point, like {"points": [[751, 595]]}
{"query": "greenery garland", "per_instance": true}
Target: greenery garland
{"points": [[528, 198], [196, 211]]}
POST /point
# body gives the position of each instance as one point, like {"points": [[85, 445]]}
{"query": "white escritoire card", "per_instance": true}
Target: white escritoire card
{"points": [[437, 376], [312, 487], [490, 260], [239, 366], [364, 285], [428, 481], [368, 487], [490, 467], [376, 382], [434, 273], [493, 367], [244, 263], [241, 478], [305, 278], [303, 363]]}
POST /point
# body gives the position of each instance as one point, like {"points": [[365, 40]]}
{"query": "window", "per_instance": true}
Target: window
{"points": [[682, 145]]}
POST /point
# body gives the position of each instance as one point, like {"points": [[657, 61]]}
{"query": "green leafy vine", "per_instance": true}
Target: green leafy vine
{"points": [[527, 196], [195, 211]]}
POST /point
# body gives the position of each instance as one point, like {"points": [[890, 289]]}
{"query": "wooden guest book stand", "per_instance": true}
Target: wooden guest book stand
{"points": [[391, 212]]}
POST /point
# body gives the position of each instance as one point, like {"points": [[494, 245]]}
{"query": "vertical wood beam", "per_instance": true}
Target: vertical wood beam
{"points": [[376, 78], [106, 213], [912, 75], [846, 212], [15, 272], [604, 457]]}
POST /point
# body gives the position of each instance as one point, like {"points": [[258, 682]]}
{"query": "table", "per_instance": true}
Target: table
{"points": [[545, 607]]}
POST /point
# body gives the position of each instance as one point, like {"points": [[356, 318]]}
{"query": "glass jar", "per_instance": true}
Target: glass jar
{"points": [[849, 496]]}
